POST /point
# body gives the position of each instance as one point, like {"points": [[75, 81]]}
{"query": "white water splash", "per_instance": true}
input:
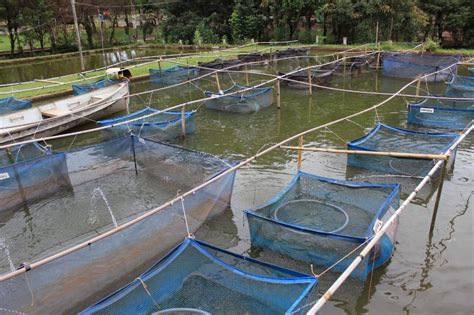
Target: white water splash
{"points": [[93, 218], [4, 246]]}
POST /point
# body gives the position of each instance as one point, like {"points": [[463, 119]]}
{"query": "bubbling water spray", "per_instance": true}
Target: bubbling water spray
{"points": [[4, 246], [98, 191]]}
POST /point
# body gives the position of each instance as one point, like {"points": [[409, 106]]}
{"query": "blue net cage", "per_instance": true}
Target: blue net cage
{"points": [[411, 65], [200, 277], [449, 114], [11, 104], [173, 75], [30, 172], [240, 102], [320, 220], [163, 126], [82, 88], [391, 139], [460, 86], [118, 182]]}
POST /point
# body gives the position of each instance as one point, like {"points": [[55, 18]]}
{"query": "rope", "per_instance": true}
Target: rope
{"points": [[340, 260], [186, 218], [357, 124], [148, 292], [340, 138]]}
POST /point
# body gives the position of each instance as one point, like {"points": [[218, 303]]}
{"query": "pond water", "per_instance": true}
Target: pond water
{"points": [[427, 274]]}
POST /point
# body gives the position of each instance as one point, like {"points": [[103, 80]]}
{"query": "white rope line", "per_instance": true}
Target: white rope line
{"points": [[185, 218], [336, 135], [149, 293]]}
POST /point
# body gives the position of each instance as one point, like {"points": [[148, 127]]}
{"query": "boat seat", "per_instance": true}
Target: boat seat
{"points": [[55, 112]]}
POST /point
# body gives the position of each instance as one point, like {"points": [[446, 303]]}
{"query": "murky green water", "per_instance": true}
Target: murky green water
{"points": [[44, 69], [426, 275]]}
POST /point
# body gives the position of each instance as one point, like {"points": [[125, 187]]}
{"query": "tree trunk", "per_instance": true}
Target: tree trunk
{"points": [[112, 34], [12, 42], [89, 32], [127, 26]]}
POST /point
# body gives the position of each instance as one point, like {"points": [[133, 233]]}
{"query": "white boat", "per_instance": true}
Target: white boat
{"points": [[56, 117]]}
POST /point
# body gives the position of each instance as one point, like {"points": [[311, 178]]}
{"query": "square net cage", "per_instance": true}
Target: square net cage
{"points": [[173, 75], [242, 102], [158, 126], [449, 114], [197, 278], [320, 220], [412, 65], [11, 104], [114, 212], [29, 172], [82, 88], [385, 138], [460, 86]]}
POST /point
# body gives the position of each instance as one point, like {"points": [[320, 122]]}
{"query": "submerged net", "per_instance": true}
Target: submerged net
{"points": [[164, 126], [460, 86], [11, 104], [390, 139], [82, 88], [173, 75], [411, 65], [241, 102], [209, 280], [319, 220], [111, 183], [441, 114]]}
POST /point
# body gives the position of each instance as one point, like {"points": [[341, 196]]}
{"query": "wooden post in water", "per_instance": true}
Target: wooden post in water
{"points": [[183, 121], [310, 81], [218, 83], [278, 94], [344, 62], [438, 196], [246, 75], [418, 83], [300, 152]]}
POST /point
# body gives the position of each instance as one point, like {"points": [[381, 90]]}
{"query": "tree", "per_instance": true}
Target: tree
{"points": [[246, 21], [10, 12]]}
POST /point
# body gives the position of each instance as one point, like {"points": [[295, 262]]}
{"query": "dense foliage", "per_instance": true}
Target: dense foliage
{"points": [[450, 22]]}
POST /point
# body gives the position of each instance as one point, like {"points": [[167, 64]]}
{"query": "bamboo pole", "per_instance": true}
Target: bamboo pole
{"points": [[438, 197], [218, 83], [300, 151], [246, 75], [418, 83], [375, 153], [378, 61], [278, 95], [310, 82], [183, 121]]}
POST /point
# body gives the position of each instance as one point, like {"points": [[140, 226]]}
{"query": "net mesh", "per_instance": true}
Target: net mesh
{"points": [[320, 77], [441, 114], [411, 65], [173, 75], [220, 64], [460, 86], [82, 88], [390, 139], [201, 277], [164, 126], [319, 220], [111, 183], [241, 102], [11, 104]]}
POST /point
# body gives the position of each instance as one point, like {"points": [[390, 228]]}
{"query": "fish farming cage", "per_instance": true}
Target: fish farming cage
{"points": [[320, 220], [243, 102], [460, 86], [319, 77], [412, 65], [82, 88], [220, 64], [291, 52], [29, 172], [173, 75], [386, 138], [116, 183], [197, 278], [430, 112], [11, 104], [162, 127]]}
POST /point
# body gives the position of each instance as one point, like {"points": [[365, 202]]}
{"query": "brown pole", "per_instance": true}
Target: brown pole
{"points": [[310, 82], [183, 121], [418, 83], [218, 83], [246, 75], [300, 151], [438, 197], [278, 95]]}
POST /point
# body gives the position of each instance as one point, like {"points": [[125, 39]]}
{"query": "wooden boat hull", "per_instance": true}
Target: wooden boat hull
{"points": [[110, 105]]}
